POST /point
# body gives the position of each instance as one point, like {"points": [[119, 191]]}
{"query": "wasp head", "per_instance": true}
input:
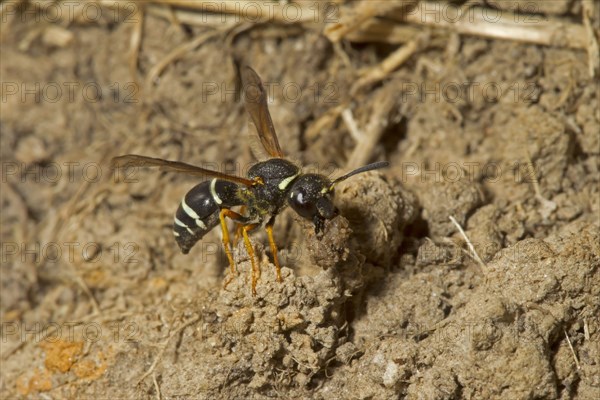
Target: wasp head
{"points": [[311, 195]]}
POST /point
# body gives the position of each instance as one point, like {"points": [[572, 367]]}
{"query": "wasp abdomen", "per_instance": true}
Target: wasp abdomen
{"points": [[198, 212]]}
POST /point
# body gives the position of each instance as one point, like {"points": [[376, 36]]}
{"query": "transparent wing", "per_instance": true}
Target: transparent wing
{"points": [[133, 160], [255, 101]]}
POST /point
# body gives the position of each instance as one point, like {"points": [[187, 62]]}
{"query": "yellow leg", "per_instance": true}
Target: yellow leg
{"points": [[238, 228], [250, 250], [226, 243], [273, 246]]}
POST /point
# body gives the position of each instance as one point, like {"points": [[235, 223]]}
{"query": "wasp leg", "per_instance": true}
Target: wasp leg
{"points": [[238, 228], [269, 229], [250, 250], [225, 212]]}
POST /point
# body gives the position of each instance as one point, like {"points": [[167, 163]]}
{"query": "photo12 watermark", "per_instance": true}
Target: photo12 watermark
{"points": [[117, 11], [70, 92], [79, 11], [70, 331], [460, 171], [70, 252]]}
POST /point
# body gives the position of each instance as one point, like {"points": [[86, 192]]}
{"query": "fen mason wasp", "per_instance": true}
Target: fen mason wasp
{"points": [[271, 185]]}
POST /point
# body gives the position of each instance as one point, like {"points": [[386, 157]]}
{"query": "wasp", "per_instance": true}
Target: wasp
{"points": [[270, 186]]}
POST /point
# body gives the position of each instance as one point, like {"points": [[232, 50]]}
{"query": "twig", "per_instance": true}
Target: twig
{"points": [[156, 386], [479, 21], [18, 201], [383, 30], [249, 10], [86, 289], [572, 350], [193, 17], [389, 64], [566, 93], [353, 17], [135, 43], [164, 347], [339, 50], [348, 119], [178, 52], [471, 247], [371, 76], [589, 10], [503, 25], [377, 123], [586, 329], [547, 205], [325, 121]]}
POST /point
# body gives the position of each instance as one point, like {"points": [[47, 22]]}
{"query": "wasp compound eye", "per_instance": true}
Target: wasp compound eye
{"points": [[303, 203]]}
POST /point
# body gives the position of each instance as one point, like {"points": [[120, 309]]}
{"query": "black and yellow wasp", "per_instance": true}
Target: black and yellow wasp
{"points": [[270, 186]]}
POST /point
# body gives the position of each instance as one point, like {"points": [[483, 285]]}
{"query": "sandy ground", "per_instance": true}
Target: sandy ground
{"points": [[392, 302]]}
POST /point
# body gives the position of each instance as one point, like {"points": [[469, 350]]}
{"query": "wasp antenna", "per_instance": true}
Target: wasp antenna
{"points": [[368, 167]]}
